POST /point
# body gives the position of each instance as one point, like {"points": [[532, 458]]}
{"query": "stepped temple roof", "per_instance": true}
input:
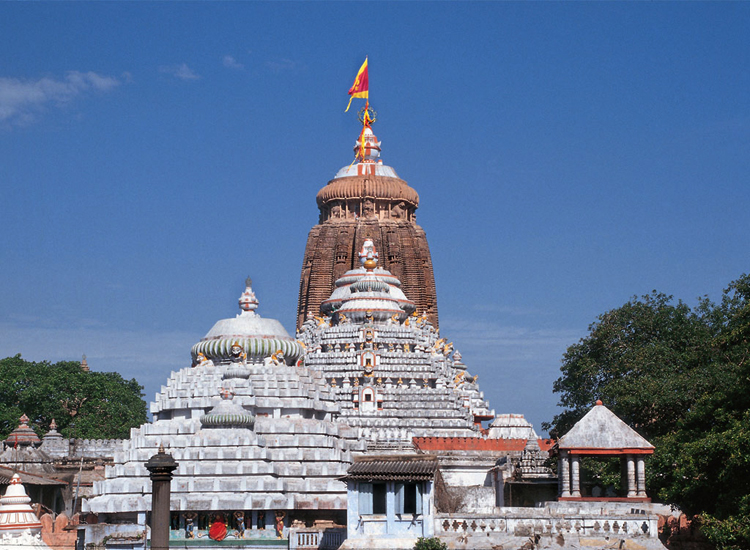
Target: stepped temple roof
{"points": [[392, 374], [250, 429]]}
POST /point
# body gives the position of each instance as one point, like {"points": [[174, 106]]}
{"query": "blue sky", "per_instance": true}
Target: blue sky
{"points": [[567, 155]]}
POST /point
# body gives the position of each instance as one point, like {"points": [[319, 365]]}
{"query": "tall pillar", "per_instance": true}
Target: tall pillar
{"points": [[631, 477], [160, 468], [575, 476], [564, 474], [641, 476]]}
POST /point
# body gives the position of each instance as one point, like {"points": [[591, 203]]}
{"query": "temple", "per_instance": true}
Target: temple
{"points": [[365, 430], [367, 200]]}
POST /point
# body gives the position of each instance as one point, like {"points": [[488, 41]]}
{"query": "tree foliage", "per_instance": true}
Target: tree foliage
{"points": [[89, 405], [681, 377]]}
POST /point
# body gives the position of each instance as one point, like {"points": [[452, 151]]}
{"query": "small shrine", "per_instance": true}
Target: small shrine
{"points": [[601, 433], [23, 435], [390, 500], [19, 525]]}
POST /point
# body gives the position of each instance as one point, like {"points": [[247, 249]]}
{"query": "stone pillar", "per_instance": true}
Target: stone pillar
{"points": [[575, 478], [564, 474], [160, 468], [631, 476], [640, 476]]}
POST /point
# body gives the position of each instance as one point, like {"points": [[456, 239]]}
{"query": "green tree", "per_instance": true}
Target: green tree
{"points": [[90, 405], [702, 466], [647, 361], [682, 379]]}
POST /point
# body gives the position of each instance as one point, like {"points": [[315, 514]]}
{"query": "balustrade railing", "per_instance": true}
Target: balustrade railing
{"points": [[537, 524], [312, 539]]}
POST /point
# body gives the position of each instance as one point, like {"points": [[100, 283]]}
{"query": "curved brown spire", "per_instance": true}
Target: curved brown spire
{"points": [[367, 200]]}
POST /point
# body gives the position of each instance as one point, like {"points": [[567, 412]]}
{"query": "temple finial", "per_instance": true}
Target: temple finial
{"points": [[248, 301]]}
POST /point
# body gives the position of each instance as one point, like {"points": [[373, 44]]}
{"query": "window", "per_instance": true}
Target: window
{"points": [[371, 498], [408, 498]]}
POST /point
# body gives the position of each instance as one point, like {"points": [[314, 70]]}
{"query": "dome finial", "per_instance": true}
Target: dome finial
{"points": [[248, 301], [368, 256], [367, 148]]}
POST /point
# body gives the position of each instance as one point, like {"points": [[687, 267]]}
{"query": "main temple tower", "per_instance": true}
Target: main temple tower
{"points": [[367, 200]]}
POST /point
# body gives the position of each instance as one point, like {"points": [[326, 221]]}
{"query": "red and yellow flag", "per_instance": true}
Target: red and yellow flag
{"points": [[361, 86]]}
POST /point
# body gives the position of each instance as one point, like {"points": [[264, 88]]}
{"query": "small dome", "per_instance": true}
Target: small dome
{"points": [[227, 414], [258, 337], [52, 433], [23, 435], [511, 426]]}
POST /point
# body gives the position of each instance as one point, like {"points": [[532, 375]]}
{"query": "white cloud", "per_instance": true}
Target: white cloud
{"points": [[181, 71], [231, 63], [283, 64], [22, 99]]}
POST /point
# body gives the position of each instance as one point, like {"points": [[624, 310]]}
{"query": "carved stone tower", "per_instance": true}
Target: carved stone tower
{"points": [[367, 200]]}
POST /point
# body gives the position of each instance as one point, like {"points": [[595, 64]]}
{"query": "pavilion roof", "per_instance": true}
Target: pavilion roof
{"points": [[601, 431]]}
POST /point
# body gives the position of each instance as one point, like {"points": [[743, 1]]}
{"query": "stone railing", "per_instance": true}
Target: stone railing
{"points": [[314, 539], [545, 522]]}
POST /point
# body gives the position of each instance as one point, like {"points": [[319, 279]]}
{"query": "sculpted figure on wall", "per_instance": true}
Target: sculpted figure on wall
{"points": [[238, 355], [368, 209]]}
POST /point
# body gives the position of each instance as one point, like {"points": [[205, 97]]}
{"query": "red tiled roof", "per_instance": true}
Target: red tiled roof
{"points": [[396, 467]]}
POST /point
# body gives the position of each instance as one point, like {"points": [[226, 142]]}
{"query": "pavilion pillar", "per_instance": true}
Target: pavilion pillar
{"points": [[160, 468], [631, 484], [564, 474], [641, 476], [575, 476]]}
